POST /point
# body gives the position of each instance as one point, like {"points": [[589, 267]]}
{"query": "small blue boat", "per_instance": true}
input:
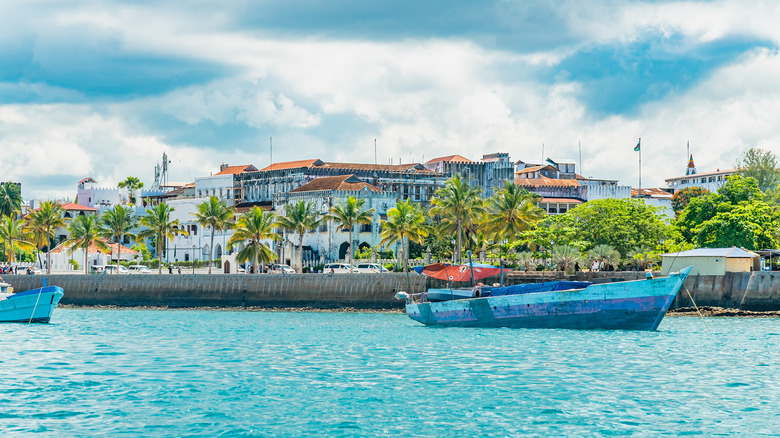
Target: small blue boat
{"points": [[35, 305], [627, 305]]}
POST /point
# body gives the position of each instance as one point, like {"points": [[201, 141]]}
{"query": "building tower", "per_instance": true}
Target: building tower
{"points": [[691, 170]]}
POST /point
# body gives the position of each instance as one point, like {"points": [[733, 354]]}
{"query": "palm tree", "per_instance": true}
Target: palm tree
{"points": [[604, 255], [216, 215], [44, 223], [10, 198], [565, 256], [457, 204], [116, 224], [404, 223], [347, 215], [299, 218], [158, 223], [84, 232], [13, 237], [252, 228], [511, 211]]}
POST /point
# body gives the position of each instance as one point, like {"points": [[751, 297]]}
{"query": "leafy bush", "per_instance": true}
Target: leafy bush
{"points": [[74, 263]]}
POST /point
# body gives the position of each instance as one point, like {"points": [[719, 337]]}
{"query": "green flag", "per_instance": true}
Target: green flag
{"points": [[636, 148]]}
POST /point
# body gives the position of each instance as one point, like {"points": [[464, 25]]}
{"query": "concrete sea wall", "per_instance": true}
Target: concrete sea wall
{"points": [[365, 291], [757, 291]]}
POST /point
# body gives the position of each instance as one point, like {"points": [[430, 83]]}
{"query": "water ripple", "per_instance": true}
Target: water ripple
{"points": [[201, 373]]}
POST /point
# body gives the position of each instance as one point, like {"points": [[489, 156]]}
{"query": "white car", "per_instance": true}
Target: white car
{"points": [[373, 268], [114, 269], [280, 269], [139, 269], [339, 268]]}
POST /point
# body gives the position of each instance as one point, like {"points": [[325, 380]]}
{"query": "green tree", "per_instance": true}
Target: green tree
{"points": [[736, 215], [458, 205], [252, 228], [84, 232], [116, 224], [44, 223], [760, 164], [404, 223], [299, 218], [216, 215], [14, 237], [10, 198], [621, 223], [347, 215], [132, 184], [158, 224], [682, 197]]}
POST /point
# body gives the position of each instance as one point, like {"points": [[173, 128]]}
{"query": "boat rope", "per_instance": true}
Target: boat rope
{"points": [[36, 306], [697, 309]]}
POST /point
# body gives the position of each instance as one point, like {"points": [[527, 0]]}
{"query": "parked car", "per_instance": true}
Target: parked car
{"points": [[280, 269], [114, 269], [374, 268], [139, 269], [339, 268], [96, 269]]}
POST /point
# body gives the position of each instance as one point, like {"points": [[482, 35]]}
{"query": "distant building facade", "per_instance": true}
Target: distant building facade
{"points": [[711, 181]]}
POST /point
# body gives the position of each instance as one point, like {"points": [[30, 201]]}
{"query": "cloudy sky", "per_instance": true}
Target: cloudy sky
{"points": [[102, 88]]}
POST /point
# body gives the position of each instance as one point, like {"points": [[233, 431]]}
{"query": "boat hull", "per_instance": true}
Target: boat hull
{"points": [[630, 305], [34, 305]]}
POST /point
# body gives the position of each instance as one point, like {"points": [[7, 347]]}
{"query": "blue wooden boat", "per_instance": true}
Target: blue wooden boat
{"points": [[627, 305], [35, 305]]}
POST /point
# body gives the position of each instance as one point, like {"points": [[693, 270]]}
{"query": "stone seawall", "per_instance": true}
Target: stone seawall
{"points": [[364, 291], [757, 291]]}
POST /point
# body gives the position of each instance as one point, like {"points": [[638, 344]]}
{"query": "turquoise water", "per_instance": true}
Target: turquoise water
{"points": [[217, 373]]}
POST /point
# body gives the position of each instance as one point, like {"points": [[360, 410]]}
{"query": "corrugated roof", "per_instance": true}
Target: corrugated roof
{"points": [[235, 170], [652, 192], [732, 252], [547, 182], [341, 182], [416, 167]]}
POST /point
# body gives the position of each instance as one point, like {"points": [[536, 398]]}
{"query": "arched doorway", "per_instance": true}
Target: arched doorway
{"points": [[227, 267], [343, 250], [217, 252]]}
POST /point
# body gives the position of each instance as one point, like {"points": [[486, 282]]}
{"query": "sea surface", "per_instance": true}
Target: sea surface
{"points": [[219, 373]]}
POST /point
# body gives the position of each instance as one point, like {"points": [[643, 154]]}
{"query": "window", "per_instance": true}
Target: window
{"points": [[194, 230], [365, 228]]}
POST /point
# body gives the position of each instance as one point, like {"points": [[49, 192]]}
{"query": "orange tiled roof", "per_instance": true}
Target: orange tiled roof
{"points": [[93, 249], [235, 170], [549, 182], [72, 206], [341, 182], [450, 158], [291, 164], [561, 200]]}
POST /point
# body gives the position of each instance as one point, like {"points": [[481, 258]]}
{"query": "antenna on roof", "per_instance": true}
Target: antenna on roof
{"points": [[542, 152], [271, 148], [579, 145], [375, 163]]}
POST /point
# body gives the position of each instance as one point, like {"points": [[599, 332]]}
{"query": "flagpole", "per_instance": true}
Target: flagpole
{"points": [[640, 166]]}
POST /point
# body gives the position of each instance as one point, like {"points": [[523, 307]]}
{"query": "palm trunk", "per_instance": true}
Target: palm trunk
{"points": [[257, 268], [211, 249], [86, 253], [300, 252], [48, 254], [159, 256], [118, 253], [459, 243], [350, 251]]}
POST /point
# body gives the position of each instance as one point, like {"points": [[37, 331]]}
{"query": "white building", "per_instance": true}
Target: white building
{"points": [[711, 181], [327, 243], [657, 198]]}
